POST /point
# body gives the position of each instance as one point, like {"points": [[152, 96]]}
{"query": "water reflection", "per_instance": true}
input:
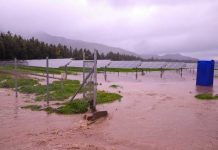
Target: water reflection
{"points": [[204, 89], [16, 108]]}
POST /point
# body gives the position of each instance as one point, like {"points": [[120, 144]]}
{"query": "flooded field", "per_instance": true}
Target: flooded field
{"points": [[154, 114]]}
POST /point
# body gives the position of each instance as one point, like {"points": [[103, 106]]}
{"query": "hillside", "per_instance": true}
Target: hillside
{"points": [[80, 44]]}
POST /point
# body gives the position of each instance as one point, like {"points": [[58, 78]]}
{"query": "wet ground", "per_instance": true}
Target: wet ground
{"points": [[154, 114]]}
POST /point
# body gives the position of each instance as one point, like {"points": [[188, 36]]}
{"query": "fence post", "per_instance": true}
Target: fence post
{"points": [[47, 79], [161, 72], [65, 68], [136, 75], [62, 84], [95, 81], [15, 76], [84, 57], [105, 73]]}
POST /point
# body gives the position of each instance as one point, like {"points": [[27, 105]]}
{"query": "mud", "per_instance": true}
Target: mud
{"points": [[154, 114]]}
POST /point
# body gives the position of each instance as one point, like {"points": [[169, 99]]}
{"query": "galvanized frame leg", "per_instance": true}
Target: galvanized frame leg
{"points": [[47, 81], [105, 73], [95, 81], [84, 57], [15, 76]]}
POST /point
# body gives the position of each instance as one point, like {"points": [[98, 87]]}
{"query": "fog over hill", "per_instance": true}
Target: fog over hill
{"points": [[176, 56], [79, 44], [101, 47]]}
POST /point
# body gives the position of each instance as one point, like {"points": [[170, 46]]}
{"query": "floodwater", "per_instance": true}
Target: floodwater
{"points": [[154, 114]]}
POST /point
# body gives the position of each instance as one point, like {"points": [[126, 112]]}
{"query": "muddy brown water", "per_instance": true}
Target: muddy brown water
{"points": [[154, 114]]}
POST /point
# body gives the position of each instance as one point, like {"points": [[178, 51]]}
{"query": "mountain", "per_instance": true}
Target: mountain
{"points": [[177, 57], [79, 44], [170, 57]]}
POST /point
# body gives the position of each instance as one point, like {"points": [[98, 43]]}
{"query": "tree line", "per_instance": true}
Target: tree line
{"points": [[12, 46]]}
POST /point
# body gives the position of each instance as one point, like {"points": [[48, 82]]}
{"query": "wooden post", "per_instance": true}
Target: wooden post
{"points": [[47, 81], [15, 76], [181, 72]]}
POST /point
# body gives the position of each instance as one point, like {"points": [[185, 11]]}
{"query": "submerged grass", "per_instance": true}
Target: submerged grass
{"points": [[78, 105], [7, 81], [206, 96], [115, 86], [72, 70], [58, 90], [61, 92], [31, 69], [72, 107], [105, 97], [32, 107]]}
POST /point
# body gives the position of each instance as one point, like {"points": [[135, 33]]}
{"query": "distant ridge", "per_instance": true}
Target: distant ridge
{"points": [[50, 39], [177, 57], [79, 44]]}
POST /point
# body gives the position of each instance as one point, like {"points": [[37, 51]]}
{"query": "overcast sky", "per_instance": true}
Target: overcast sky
{"points": [[189, 27]]}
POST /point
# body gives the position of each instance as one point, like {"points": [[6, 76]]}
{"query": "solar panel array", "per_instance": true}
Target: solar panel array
{"points": [[216, 65], [79, 63], [191, 65], [152, 65], [124, 64], [56, 63], [174, 65], [76, 63], [53, 63]]}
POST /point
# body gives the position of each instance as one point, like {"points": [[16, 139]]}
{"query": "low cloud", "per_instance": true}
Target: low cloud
{"points": [[145, 26]]}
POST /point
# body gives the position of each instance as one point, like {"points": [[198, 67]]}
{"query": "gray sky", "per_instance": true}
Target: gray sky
{"points": [[189, 27]]}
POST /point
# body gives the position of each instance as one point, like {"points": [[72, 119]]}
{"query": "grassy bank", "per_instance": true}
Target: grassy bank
{"points": [[70, 70], [73, 107], [29, 69], [58, 91], [129, 69], [206, 96], [78, 105]]}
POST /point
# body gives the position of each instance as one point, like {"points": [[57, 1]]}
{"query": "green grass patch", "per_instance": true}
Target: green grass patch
{"points": [[114, 86], [80, 69], [206, 96], [37, 89], [57, 89], [72, 70], [130, 69], [32, 107], [57, 93], [7, 81], [39, 69], [31, 69], [105, 97], [73, 107]]}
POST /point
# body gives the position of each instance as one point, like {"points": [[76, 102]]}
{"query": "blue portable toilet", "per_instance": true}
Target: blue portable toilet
{"points": [[205, 73]]}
